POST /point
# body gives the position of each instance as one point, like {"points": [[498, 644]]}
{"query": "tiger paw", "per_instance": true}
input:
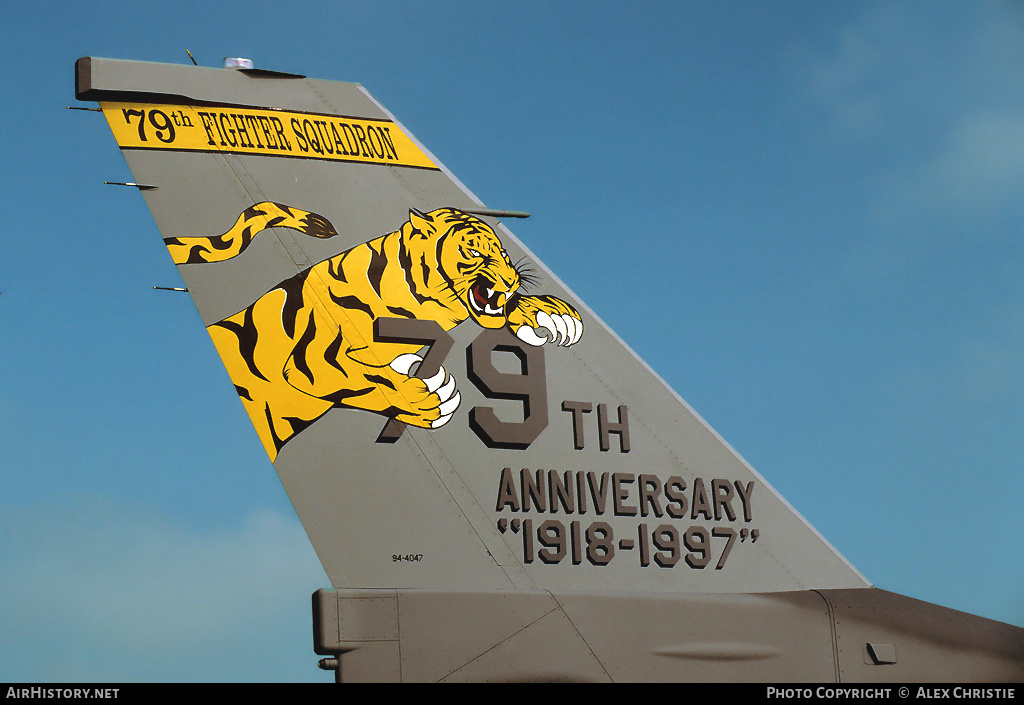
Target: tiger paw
{"points": [[537, 320], [433, 400]]}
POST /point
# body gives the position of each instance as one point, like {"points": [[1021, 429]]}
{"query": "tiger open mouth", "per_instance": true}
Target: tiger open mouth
{"points": [[485, 301]]}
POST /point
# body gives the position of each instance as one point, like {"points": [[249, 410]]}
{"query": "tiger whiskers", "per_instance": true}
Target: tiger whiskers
{"points": [[527, 278]]}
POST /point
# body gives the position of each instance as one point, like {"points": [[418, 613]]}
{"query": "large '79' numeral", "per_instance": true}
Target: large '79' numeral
{"points": [[528, 387], [412, 331]]}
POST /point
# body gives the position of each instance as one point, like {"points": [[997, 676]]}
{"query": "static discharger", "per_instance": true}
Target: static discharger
{"points": [[495, 213], [141, 187]]}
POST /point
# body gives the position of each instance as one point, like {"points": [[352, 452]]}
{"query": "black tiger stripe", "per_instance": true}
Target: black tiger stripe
{"points": [[336, 268], [338, 398], [405, 263], [318, 226], [331, 354], [421, 298], [399, 311], [293, 301], [426, 269], [246, 238], [299, 353], [218, 243], [278, 443], [375, 272], [247, 335], [195, 255], [297, 425], [412, 284], [382, 381], [353, 302], [437, 255]]}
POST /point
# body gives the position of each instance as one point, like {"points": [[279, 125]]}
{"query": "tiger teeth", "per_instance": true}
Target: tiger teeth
{"points": [[493, 306]]}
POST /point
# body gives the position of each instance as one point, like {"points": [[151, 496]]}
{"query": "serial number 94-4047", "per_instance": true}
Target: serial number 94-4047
{"points": [[663, 546], [410, 557]]}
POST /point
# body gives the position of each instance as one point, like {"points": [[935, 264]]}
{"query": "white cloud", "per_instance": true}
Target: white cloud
{"points": [[975, 173], [98, 592], [843, 80], [849, 76]]}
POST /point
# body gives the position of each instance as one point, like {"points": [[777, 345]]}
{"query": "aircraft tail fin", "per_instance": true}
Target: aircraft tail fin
{"points": [[442, 411]]}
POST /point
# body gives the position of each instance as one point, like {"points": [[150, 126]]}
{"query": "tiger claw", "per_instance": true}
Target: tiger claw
{"points": [[403, 363], [576, 329], [445, 392], [563, 329], [447, 408], [529, 336], [573, 329], [552, 326], [435, 382]]}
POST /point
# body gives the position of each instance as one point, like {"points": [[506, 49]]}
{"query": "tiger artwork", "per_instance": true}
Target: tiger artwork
{"points": [[308, 345]]}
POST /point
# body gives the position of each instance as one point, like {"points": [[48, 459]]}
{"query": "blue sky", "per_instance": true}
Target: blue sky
{"points": [[819, 206]]}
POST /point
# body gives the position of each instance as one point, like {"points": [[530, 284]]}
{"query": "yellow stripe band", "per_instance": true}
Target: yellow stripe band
{"points": [[274, 133]]}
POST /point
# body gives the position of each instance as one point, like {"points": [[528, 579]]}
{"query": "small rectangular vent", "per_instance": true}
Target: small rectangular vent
{"points": [[879, 654]]}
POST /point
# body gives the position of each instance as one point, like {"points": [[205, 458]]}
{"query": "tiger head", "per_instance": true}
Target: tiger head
{"points": [[471, 265]]}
